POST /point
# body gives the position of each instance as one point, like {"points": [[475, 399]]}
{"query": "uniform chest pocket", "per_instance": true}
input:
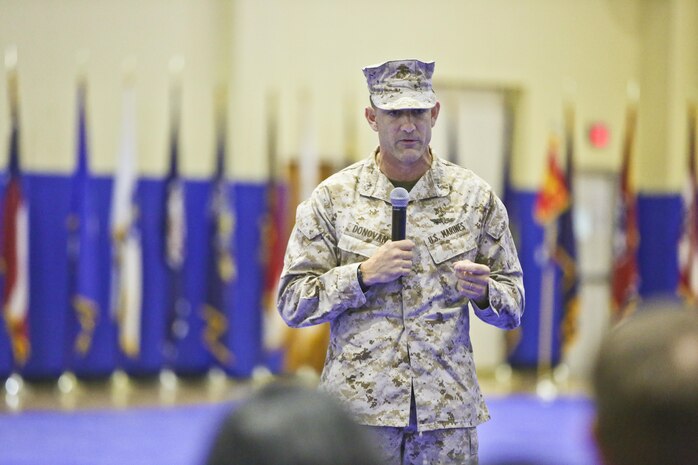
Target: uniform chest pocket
{"points": [[350, 247], [445, 253], [464, 247]]}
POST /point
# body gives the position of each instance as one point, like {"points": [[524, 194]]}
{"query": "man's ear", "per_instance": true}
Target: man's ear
{"points": [[370, 114], [435, 113]]}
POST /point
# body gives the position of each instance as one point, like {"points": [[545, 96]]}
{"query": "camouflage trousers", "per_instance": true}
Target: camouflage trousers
{"points": [[407, 446]]}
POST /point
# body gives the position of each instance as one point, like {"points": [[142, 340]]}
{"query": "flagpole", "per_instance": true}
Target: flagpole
{"points": [[688, 242], [12, 81], [274, 332], [121, 224], [168, 378], [67, 382], [692, 262], [552, 200], [308, 159], [545, 387], [625, 268], [221, 266], [503, 371], [570, 278], [14, 385]]}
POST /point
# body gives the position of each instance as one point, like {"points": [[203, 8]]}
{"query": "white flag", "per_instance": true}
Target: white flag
{"points": [[127, 258]]}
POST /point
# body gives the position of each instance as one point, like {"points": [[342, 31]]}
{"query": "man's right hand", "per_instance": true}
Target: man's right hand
{"points": [[391, 261]]}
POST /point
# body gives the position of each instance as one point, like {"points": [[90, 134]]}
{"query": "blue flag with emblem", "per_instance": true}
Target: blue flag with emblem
{"points": [[82, 242], [220, 271], [174, 225]]}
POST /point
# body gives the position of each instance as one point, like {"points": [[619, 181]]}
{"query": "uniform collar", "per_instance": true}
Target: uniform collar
{"points": [[373, 183]]}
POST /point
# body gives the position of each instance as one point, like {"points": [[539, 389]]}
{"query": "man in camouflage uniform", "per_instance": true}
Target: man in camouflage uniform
{"points": [[400, 355]]}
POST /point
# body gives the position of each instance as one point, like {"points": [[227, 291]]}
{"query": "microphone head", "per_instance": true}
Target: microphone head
{"points": [[399, 197]]}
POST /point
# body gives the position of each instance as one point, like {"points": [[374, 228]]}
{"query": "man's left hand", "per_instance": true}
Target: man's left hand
{"points": [[473, 281]]}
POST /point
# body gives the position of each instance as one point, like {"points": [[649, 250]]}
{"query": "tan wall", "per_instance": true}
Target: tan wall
{"points": [[549, 51], [49, 34], [540, 48], [669, 70]]}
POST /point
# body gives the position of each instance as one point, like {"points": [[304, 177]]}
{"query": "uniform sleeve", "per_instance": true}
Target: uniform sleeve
{"points": [[314, 288], [497, 250]]}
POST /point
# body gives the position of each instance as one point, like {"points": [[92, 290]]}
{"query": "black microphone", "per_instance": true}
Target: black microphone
{"points": [[399, 198]]}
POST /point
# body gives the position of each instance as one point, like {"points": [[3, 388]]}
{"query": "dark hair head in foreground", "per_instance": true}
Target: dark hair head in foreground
{"points": [[285, 424], [646, 387]]}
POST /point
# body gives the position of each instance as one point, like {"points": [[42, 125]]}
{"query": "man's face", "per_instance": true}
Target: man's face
{"points": [[403, 134]]}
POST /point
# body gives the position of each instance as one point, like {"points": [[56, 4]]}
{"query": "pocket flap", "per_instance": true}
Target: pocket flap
{"points": [[496, 228], [357, 246], [445, 250]]}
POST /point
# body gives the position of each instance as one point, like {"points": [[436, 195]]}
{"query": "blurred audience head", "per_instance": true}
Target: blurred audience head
{"points": [[645, 384], [289, 424]]}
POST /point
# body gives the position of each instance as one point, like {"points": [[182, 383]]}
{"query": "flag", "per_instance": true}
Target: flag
{"points": [[508, 194], [514, 336], [15, 246], [688, 242], [221, 265], [274, 236], [566, 247], [626, 236], [174, 242], [83, 227], [552, 200], [126, 279], [306, 347], [553, 197], [272, 251]]}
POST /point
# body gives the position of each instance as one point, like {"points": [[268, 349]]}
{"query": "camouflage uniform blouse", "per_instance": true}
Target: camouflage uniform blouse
{"points": [[412, 332]]}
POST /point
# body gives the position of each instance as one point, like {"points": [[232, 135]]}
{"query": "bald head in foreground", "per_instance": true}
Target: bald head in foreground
{"points": [[646, 388], [288, 424]]}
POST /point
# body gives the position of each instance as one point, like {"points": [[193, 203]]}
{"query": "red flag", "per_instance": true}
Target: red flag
{"points": [[688, 243], [274, 237], [15, 247], [274, 245], [626, 241], [553, 198]]}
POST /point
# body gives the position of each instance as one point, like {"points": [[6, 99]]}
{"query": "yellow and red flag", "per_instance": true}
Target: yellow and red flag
{"points": [[553, 197]]}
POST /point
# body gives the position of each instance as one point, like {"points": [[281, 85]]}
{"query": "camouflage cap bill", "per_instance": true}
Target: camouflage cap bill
{"points": [[401, 84]]}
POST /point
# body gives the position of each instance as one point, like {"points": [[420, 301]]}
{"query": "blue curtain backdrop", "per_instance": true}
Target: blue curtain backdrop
{"points": [[49, 200], [660, 218]]}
